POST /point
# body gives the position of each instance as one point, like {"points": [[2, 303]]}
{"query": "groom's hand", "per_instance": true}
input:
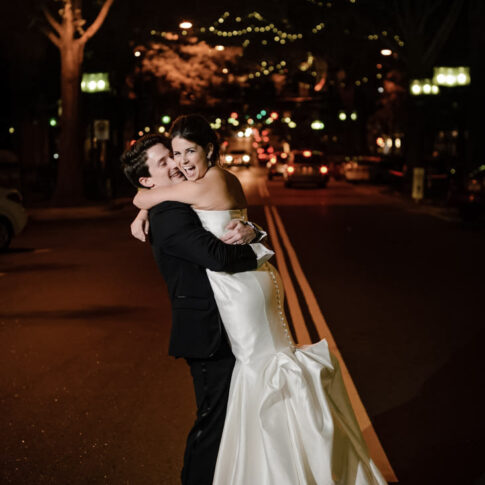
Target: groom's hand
{"points": [[238, 233]]}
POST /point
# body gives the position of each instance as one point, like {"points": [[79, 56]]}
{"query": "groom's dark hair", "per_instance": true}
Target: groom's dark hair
{"points": [[133, 160]]}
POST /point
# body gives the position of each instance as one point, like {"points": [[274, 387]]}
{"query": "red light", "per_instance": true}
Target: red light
{"points": [[270, 149], [260, 150], [266, 139], [255, 145], [284, 155], [274, 115], [323, 169], [290, 169], [132, 142], [264, 132], [307, 153], [234, 115]]}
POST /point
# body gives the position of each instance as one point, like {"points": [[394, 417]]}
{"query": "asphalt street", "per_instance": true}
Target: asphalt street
{"points": [[89, 396]]}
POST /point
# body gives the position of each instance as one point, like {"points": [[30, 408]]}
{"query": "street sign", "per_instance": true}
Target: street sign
{"points": [[418, 183], [101, 130]]}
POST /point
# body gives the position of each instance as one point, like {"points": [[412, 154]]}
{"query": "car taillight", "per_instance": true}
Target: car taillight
{"points": [[290, 169], [323, 169], [15, 197], [473, 185]]}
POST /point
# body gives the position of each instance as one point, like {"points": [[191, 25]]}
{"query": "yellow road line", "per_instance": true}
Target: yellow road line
{"points": [[301, 330], [375, 447], [263, 189]]}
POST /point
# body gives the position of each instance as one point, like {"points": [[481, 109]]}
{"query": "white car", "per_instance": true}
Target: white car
{"points": [[13, 217], [237, 158], [361, 169]]}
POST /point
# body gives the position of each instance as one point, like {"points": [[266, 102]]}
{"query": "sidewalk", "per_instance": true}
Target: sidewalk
{"points": [[83, 212], [433, 207]]}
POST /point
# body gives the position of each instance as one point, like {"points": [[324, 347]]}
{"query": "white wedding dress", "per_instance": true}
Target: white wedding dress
{"points": [[289, 420]]}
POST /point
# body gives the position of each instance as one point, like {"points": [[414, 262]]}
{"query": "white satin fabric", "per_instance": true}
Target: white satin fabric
{"points": [[289, 420]]}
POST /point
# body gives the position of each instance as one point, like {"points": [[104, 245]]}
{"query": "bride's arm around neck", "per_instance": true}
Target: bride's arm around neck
{"points": [[218, 189]]}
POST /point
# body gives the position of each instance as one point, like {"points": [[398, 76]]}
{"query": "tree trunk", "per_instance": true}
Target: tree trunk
{"points": [[476, 97], [69, 186]]}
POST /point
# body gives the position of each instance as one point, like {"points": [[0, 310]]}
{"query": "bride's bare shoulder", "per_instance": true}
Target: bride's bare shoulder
{"points": [[216, 173]]}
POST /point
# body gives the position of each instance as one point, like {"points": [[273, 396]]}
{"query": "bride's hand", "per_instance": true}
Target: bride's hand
{"points": [[238, 233], [140, 226]]}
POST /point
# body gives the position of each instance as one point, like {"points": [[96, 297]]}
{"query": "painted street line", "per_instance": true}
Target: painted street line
{"points": [[375, 448], [277, 231], [301, 330]]}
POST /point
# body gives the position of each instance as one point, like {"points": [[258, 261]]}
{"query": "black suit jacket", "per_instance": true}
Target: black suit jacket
{"points": [[183, 249]]}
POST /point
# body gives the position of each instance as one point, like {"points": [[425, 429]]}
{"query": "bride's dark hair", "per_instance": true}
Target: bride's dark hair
{"points": [[196, 129]]}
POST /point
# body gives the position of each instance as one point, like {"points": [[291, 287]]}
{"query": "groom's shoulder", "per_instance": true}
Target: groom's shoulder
{"points": [[169, 206], [172, 209]]}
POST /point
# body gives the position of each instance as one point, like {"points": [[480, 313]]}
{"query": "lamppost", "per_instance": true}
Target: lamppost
{"points": [[185, 26]]}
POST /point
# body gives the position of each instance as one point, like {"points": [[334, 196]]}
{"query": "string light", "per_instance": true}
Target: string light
{"points": [[255, 25]]}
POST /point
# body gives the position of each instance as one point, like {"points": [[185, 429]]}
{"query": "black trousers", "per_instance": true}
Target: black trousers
{"points": [[212, 378]]}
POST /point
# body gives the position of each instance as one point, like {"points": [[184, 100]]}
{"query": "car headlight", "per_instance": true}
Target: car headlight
{"points": [[229, 158], [246, 158]]}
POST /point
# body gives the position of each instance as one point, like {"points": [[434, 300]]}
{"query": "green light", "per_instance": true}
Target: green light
{"points": [[259, 116], [342, 116], [263, 112], [166, 119], [53, 122]]}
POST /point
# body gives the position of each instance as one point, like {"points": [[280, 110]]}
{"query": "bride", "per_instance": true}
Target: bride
{"points": [[289, 420]]}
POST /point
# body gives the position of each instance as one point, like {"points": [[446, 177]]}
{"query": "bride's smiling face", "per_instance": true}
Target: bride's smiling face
{"points": [[191, 158]]}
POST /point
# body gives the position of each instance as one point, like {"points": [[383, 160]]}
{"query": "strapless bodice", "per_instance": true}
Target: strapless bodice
{"points": [[217, 221]]}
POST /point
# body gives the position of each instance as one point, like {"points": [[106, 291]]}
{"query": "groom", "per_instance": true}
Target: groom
{"points": [[183, 250]]}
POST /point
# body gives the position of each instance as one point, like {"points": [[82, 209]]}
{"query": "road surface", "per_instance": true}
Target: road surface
{"points": [[89, 395]]}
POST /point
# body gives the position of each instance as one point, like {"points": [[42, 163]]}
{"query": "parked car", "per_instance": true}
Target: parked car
{"points": [[361, 169], [470, 197], [237, 158], [13, 217], [306, 166], [277, 164]]}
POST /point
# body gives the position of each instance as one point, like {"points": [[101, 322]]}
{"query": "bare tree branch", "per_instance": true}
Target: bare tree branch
{"points": [[429, 11], [52, 21], [52, 37], [443, 32], [94, 27], [401, 21]]}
